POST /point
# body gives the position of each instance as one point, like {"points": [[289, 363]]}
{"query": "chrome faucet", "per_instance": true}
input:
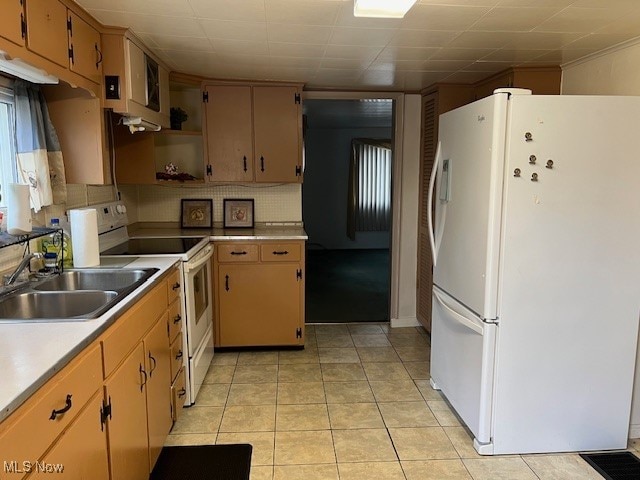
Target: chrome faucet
{"points": [[25, 261]]}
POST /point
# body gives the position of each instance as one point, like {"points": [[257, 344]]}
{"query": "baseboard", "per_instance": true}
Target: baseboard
{"points": [[634, 431], [405, 322]]}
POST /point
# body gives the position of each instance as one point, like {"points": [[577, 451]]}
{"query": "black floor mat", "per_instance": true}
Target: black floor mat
{"points": [[614, 465], [203, 462]]}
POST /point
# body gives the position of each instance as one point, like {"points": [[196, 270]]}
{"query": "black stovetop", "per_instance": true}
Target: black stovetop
{"points": [[153, 246]]}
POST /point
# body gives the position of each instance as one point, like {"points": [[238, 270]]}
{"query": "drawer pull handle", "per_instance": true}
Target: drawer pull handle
{"points": [[281, 253], [176, 286], [177, 319], [144, 381], [179, 355], [154, 365], [66, 408], [239, 253], [181, 393]]}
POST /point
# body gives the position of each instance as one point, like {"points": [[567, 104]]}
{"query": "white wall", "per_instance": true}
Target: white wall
{"points": [[326, 185], [616, 72]]}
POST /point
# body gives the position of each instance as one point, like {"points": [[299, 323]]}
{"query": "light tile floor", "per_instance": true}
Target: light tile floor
{"points": [[355, 404]]}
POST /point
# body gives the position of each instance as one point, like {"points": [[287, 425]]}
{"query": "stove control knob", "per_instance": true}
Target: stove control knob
{"points": [[121, 209]]}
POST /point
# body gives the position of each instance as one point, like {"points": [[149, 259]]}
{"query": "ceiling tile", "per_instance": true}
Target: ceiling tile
{"points": [[230, 30], [171, 42], [422, 38], [407, 53], [355, 52], [488, 67], [585, 20], [438, 17], [344, 63], [482, 39], [302, 12], [562, 56], [541, 40], [179, 8], [240, 10], [153, 24], [444, 65], [598, 41], [465, 77], [398, 65], [240, 47], [468, 3], [536, 3], [305, 34], [296, 50], [377, 37], [513, 19], [461, 53], [509, 55], [629, 23]]}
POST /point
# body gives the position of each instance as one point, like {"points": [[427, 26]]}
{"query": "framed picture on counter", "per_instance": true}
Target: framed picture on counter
{"points": [[196, 213], [238, 213]]}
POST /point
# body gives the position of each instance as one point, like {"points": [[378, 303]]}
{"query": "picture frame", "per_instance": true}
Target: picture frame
{"points": [[238, 213], [196, 213]]}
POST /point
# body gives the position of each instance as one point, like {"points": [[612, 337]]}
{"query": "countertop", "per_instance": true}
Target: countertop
{"points": [[31, 353], [218, 234]]}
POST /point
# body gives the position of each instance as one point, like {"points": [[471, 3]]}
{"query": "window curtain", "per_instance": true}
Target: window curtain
{"points": [[369, 198], [39, 158]]}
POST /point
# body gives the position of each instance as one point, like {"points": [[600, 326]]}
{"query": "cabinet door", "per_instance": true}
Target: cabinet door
{"points": [[47, 30], [259, 304], [127, 427], [82, 449], [84, 42], [11, 21], [137, 77], [277, 130], [228, 133], [156, 346]]}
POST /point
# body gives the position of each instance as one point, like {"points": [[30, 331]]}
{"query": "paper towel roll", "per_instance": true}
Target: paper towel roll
{"points": [[84, 237], [18, 209]]}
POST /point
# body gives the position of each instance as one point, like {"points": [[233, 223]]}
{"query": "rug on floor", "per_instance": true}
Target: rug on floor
{"points": [[203, 462], [614, 465]]}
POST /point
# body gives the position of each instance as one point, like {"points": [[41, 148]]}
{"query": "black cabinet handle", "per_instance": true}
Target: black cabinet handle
{"points": [[244, 161], [226, 282], [239, 253], [179, 355], [66, 408], [99, 57], [281, 253], [262, 164], [177, 319], [181, 393], [175, 287], [154, 364], [144, 381]]}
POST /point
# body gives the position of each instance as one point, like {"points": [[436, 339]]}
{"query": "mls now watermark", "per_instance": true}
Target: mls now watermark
{"points": [[26, 467]]}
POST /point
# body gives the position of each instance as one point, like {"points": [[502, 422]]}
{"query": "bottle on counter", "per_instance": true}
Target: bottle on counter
{"points": [[67, 250], [57, 246]]}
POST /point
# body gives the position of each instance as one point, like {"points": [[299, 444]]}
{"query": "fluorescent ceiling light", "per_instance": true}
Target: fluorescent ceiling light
{"points": [[382, 8], [23, 70]]}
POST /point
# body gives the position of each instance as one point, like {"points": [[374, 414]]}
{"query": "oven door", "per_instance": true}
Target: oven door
{"points": [[198, 297]]}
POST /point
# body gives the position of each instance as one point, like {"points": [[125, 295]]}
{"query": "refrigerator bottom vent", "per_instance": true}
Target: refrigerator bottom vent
{"points": [[615, 465]]}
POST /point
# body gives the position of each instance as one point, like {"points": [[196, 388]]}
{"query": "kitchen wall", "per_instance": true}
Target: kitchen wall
{"points": [[328, 156], [613, 72]]}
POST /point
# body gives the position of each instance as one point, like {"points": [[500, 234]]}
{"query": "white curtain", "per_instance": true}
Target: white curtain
{"points": [[39, 158]]}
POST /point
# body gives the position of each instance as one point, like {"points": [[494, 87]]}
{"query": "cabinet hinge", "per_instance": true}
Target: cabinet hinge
{"points": [[296, 98], [205, 97], [70, 26], [298, 171], [105, 411], [23, 26], [209, 170], [71, 53], [299, 274], [298, 333]]}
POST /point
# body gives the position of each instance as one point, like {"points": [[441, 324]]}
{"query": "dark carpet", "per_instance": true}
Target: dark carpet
{"points": [[347, 286], [203, 462], [614, 465]]}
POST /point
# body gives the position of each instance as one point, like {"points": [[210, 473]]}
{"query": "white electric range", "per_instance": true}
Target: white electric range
{"points": [[195, 254]]}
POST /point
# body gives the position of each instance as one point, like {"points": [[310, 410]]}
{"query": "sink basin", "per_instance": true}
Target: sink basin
{"points": [[116, 279], [58, 305]]}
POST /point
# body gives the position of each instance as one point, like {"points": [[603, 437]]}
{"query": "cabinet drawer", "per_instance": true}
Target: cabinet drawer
{"points": [[280, 252], [175, 319], [177, 356], [238, 252], [174, 285], [129, 329], [33, 430], [178, 394]]}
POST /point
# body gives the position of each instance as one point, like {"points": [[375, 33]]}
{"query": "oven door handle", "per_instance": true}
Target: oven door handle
{"points": [[194, 266]]}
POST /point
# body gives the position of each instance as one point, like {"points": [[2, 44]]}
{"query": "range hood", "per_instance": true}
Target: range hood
{"points": [[21, 69], [138, 124]]}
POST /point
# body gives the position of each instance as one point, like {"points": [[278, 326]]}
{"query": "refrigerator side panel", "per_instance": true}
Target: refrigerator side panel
{"points": [[569, 293], [467, 203]]}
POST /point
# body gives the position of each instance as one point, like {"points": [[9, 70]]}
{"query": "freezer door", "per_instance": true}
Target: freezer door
{"points": [[462, 362], [467, 203]]}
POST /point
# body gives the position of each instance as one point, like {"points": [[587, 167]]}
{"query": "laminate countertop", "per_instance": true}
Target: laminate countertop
{"points": [[33, 352], [219, 234]]}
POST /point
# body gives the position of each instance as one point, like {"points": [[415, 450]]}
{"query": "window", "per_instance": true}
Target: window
{"points": [[7, 138]]}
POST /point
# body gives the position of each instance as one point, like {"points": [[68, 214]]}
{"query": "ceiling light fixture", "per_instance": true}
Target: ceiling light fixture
{"points": [[382, 8]]}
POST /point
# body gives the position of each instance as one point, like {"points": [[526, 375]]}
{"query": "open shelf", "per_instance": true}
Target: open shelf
{"points": [[8, 240]]}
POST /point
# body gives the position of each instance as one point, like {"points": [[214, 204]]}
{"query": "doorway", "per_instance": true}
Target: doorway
{"points": [[348, 257]]}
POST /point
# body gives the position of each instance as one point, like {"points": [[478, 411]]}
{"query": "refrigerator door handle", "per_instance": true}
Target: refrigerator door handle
{"points": [[457, 316], [432, 183]]}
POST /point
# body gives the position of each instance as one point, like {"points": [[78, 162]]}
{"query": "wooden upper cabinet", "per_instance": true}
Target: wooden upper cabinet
{"points": [[12, 21], [47, 30], [543, 80], [228, 133], [85, 49], [276, 123]]}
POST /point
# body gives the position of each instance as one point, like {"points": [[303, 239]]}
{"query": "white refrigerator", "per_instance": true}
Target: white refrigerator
{"points": [[536, 298]]}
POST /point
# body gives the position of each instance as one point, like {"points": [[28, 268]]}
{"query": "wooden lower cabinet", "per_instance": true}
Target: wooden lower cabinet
{"points": [[81, 452], [260, 299], [127, 424]]}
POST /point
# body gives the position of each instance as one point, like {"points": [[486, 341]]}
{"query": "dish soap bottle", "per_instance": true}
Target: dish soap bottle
{"points": [[51, 246], [67, 251]]}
